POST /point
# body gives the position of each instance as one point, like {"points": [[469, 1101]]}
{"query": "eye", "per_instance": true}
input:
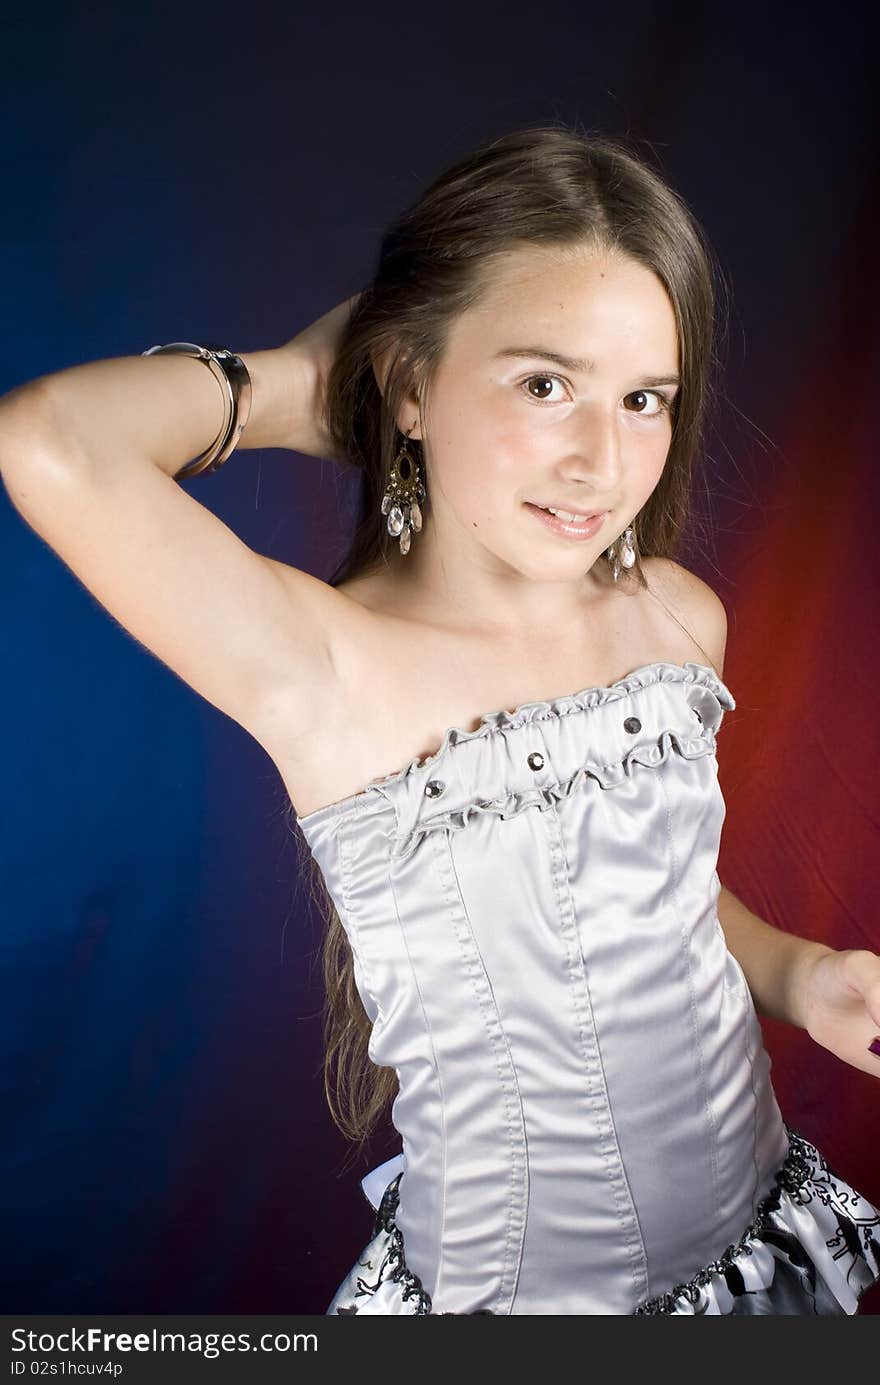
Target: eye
{"points": [[543, 380], [664, 403]]}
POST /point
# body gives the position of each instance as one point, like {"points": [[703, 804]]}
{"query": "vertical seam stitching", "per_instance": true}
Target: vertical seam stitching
{"points": [[513, 1109], [436, 1067], [616, 1171], [695, 1028]]}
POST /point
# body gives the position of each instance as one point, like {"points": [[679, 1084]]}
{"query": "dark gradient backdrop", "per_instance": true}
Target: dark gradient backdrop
{"points": [[224, 174]]}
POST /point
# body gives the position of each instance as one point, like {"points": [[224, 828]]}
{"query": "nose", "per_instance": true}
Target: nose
{"points": [[595, 455]]}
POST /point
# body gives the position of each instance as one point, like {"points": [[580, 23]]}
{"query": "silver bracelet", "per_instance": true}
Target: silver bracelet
{"points": [[234, 379]]}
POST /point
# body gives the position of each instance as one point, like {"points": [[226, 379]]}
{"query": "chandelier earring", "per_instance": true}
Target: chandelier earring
{"points": [[622, 553], [404, 493]]}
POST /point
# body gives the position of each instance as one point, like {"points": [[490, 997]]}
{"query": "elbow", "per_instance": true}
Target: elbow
{"points": [[33, 455]]}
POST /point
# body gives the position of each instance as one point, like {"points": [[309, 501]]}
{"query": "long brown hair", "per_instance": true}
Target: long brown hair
{"points": [[545, 185]]}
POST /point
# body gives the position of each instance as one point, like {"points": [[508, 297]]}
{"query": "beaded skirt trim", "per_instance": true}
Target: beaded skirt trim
{"points": [[813, 1247], [853, 1249]]}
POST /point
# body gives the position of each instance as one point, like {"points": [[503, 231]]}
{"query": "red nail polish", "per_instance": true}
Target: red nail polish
{"points": [[874, 1046]]}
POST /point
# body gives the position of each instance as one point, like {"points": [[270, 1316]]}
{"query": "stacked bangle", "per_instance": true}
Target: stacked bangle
{"points": [[235, 382]]}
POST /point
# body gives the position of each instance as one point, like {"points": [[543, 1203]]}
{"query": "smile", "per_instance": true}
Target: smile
{"points": [[567, 524]]}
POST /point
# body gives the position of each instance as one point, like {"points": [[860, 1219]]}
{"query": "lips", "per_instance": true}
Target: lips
{"points": [[575, 530], [568, 509]]}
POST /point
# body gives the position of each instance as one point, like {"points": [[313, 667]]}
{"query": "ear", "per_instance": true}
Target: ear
{"points": [[408, 417]]}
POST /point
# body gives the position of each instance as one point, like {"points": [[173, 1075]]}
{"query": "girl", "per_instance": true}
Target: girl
{"points": [[529, 945]]}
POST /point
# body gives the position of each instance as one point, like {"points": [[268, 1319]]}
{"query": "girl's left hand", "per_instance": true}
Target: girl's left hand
{"points": [[840, 1005]]}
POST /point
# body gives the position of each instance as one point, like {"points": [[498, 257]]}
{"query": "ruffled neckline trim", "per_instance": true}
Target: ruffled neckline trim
{"points": [[659, 671]]}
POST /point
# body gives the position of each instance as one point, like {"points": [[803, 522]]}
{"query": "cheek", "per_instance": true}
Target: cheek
{"points": [[516, 443], [503, 465], [481, 457], [660, 452], [647, 468]]}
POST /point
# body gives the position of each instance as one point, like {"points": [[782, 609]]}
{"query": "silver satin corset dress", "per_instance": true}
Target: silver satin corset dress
{"points": [[585, 1108]]}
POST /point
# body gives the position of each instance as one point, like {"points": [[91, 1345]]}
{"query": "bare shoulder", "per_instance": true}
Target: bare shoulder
{"points": [[693, 603]]}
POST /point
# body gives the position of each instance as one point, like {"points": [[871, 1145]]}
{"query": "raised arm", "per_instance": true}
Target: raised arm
{"points": [[88, 457]]}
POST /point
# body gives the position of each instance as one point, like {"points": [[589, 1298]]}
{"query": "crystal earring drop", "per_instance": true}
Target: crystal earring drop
{"points": [[627, 552], [401, 501]]}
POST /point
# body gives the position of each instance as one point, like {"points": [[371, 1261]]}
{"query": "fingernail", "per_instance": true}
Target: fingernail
{"points": [[874, 1046]]}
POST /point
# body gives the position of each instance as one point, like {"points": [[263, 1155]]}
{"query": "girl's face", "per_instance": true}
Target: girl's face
{"points": [[506, 425]]}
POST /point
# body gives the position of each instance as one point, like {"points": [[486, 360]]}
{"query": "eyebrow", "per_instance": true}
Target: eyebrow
{"points": [[575, 363]]}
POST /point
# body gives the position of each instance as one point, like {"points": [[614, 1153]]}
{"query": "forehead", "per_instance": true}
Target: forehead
{"points": [[573, 298]]}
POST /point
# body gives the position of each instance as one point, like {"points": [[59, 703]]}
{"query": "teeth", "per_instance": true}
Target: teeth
{"points": [[564, 514]]}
